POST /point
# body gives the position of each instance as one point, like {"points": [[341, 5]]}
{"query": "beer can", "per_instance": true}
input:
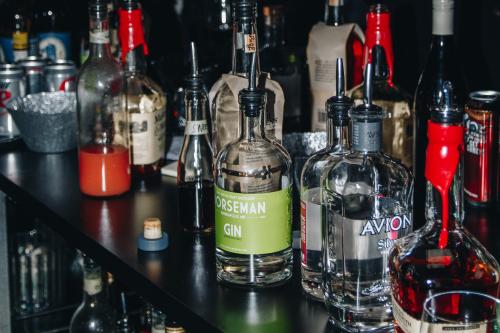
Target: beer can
{"points": [[481, 147], [11, 86], [33, 73], [60, 75]]}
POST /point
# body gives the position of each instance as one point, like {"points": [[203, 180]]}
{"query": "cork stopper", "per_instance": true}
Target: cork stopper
{"points": [[152, 228]]}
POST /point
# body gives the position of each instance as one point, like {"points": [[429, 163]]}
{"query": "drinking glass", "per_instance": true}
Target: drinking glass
{"points": [[460, 312]]}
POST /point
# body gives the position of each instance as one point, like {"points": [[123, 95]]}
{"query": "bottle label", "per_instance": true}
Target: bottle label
{"points": [[409, 324], [92, 285], [366, 136], [55, 45], [99, 37], [256, 223], [196, 127], [147, 136], [311, 216], [250, 43]]}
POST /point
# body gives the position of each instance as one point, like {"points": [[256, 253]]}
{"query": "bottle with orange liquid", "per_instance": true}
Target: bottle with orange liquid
{"points": [[103, 127]]}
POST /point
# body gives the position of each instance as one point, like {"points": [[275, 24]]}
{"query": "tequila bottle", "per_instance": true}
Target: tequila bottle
{"points": [[224, 93], [337, 109], [253, 201], [368, 204]]}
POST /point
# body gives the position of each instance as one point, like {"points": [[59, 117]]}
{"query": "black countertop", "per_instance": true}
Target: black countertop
{"points": [[182, 278]]}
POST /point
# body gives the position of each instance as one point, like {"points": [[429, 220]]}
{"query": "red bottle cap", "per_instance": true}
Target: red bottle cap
{"points": [[131, 32]]}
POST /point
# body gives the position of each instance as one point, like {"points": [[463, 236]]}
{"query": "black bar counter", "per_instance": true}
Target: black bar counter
{"points": [[182, 278]]}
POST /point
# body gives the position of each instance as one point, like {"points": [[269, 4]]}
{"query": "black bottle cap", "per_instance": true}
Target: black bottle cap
{"points": [[194, 81], [368, 110], [130, 4], [446, 112], [337, 107], [252, 99], [244, 9], [379, 61], [98, 8]]}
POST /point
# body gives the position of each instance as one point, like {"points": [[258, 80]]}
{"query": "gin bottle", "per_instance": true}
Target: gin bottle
{"points": [[368, 204], [253, 201], [337, 109], [224, 93], [94, 314]]}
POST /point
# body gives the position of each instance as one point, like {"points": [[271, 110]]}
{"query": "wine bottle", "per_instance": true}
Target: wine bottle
{"points": [[442, 65]]}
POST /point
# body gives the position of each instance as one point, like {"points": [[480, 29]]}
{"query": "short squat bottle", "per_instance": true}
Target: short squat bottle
{"points": [[253, 202], [337, 108]]}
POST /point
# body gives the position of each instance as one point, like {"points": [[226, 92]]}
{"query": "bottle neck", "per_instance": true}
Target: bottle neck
{"points": [[334, 12], [337, 136], [378, 32], [442, 21], [196, 105], [135, 61], [252, 128], [133, 45], [245, 43], [99, 38], [366, 135]]}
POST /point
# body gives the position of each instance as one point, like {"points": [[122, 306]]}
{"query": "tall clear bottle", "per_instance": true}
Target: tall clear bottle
{"points": [[337, 108], [145, 101], [224, 93], [367, 200], [102, 122], [94, 313], [253, 201], [194, 170], [442, 65]]}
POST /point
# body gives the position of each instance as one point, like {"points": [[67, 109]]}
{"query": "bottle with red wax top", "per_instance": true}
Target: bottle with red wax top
{"points": [[441, 256], [102, 123]]}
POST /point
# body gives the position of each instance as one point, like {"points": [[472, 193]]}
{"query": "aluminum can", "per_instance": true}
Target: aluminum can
{"points": [[33, 73], [11, 86], [481, 147], [60, 75]]}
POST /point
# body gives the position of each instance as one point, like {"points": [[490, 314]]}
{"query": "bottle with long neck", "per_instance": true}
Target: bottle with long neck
{"points": [[224, 93], [397, 131], [194, 169], [145, 102], [328, 40], [103, 125], [94, 314], [442, 65], [441, 256], [253, 200], [337, 108]]}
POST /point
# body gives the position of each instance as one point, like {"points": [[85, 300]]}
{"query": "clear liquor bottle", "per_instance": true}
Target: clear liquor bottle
{"points": [[253, 201], [94, 314], [194, 170], [337, 109], [367, 200], [441, 256], [224, 93], [145, 101]]}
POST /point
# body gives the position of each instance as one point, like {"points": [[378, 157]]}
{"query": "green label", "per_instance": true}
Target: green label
{"points": [[253, 223]]}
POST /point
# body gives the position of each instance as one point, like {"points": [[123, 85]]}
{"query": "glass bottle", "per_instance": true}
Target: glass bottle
{"points": [[145, 102], [93, 314], [52, 29], [194, 170], [158, 321], [397, 128], [367, 200], [441, 256], [224, 93], [253, 201], [14, 40], [102, 121], [337, 108], [442, 65]]}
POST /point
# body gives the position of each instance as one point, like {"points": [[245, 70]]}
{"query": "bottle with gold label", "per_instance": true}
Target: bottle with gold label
{"points": [[144, 99], [253, 201]]}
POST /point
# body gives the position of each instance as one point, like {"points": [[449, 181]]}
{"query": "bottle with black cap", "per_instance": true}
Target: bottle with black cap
{"points": [[194, 169], [397, 136], [367, 199], [442, 256], [253, 200], [337, 108]]}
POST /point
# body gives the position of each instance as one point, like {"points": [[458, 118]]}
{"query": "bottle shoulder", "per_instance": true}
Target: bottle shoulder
{"points": [[317, 164], [250, 152], [98, 71]]}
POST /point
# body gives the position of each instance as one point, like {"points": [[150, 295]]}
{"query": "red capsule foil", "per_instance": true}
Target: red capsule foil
{"points": [[131, 32], [481, 152]]}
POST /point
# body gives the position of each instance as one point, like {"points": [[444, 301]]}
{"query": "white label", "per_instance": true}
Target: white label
{"points": [[152, 232], [196, 127], [92, 286], [239, 40], [99, 37], [146, 132], [250, 43], [406, 323]]}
